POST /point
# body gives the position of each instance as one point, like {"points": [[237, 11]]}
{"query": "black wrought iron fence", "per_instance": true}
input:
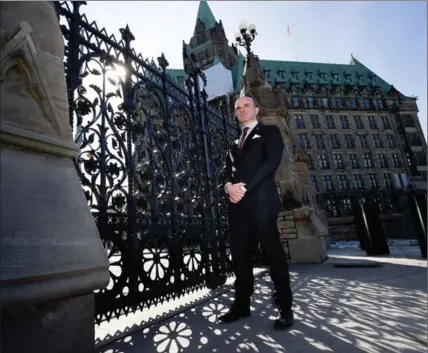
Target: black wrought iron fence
{"points": [[151, 152], [396, 208]]}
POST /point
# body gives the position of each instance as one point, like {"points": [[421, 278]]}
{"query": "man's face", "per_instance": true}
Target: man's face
{"points": [[246, 110]]}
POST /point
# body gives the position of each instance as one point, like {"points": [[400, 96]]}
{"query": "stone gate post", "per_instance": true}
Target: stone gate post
{"points": [[51, 255]]}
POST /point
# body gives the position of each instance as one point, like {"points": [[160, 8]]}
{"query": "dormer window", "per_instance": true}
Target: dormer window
{"points": [[267, 74], [309, 75], [281, 75], [361, 78], [336, 77], [180, 79], [323, 76], [374, 80], [295, 75], [348, 78]]}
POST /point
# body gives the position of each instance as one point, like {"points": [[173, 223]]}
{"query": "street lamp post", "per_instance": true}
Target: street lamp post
{"points": [[246, 36]]}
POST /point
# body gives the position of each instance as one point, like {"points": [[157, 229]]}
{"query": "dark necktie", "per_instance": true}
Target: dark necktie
{"points": [[242, 140]]}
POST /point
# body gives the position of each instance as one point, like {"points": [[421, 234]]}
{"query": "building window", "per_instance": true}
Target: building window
{"points": [[339, 103], [363, 141], [347, 207], [325, 102], [367, 158], [329, 120], [387, 181], [355, 164], [348, 78], [396, 160], [372, 181], [353, 103], [420, 157], [295, 75], [336, 77], [310, 102], [366, 103], [391, 141], [315, 122], [328, 182], [385, 122], [335, 142], [281, 75], [310, 162], [349, 140], [304, 141], [323, 162], [377, 141], [380, 103], [414, 139], [358, 122], [338, 161], [372, 122], [401, 180], [323, 76], [344, 121], [319, 141], [309, 75], [357, 182], [296, 101], [409, 121], [267, 74], [314, 182], [383, 161], [342, 181], [300, 122]]}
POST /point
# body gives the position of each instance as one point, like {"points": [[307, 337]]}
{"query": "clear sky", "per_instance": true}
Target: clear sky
{"points": [[389, 37]]}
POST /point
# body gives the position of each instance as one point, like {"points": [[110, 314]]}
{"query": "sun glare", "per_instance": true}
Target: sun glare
{"points": [[120, 71]]}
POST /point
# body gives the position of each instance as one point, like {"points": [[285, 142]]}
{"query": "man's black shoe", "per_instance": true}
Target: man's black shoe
{"points": [[284, 321], [234, 315]]}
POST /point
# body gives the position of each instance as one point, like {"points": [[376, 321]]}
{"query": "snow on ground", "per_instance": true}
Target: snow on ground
{"points": [[342, 244]]}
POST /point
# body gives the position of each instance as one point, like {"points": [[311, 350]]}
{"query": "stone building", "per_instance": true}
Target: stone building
{"points": [[357, 131]]}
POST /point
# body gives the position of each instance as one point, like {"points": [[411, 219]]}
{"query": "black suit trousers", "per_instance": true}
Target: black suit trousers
{"points": [[247, 230]]}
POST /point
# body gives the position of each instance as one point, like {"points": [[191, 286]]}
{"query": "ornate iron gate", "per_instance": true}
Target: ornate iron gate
{"points": [[150, 161]]}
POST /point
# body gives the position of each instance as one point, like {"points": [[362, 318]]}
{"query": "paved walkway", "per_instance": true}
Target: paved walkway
{"points": [[344, 310]]}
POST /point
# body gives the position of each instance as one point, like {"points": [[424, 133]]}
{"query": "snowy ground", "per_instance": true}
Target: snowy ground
{"points": [[343, 244]]}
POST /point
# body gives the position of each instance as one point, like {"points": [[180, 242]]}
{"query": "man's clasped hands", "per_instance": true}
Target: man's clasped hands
{"points": [[236, 192]]}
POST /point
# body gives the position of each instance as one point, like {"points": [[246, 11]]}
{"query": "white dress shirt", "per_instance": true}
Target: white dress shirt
{"points": [[250, 126]]}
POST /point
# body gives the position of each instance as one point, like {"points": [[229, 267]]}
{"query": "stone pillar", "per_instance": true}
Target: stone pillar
{"points": [[51, 255], [303, 233]]}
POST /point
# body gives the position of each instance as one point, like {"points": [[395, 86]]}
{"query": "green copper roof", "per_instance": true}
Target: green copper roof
{"points": [[205, 15], [177, 74], [306, 72], [323, 73]]}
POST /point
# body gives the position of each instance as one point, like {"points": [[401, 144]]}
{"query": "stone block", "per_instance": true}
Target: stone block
{"points": [[307, 250], [62, 326], [286, 224]]}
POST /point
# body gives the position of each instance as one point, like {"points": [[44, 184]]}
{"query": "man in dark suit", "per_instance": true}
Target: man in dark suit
{"points": [[253, 209]]}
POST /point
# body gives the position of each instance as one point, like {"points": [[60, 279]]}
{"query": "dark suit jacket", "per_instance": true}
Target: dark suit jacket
{"points": [[256, 166]]}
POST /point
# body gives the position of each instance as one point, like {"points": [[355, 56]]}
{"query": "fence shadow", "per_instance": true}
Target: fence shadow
{"points": [[332, 315]]}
